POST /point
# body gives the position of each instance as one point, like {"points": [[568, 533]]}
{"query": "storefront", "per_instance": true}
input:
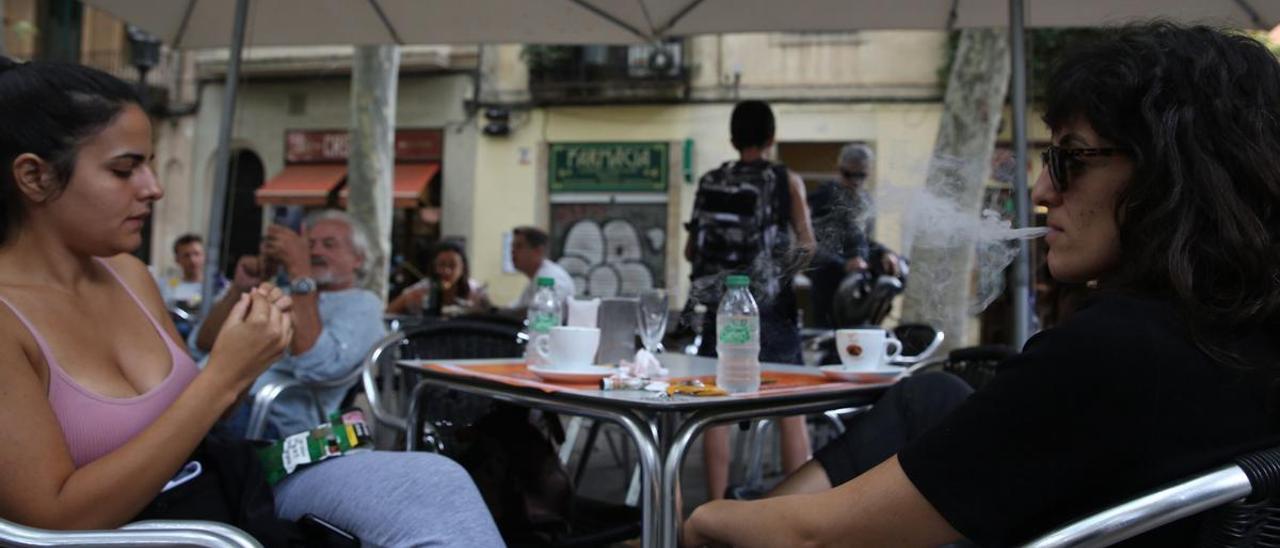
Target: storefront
{"points": [[315, 177], [614, 217]]}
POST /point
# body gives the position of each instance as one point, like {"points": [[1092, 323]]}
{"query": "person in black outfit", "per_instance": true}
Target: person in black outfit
{"points": [[1163, 188], [843, 222], [750, 217]]}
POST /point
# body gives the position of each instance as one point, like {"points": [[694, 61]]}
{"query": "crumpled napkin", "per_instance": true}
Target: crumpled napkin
{"points": [[645, 366]]}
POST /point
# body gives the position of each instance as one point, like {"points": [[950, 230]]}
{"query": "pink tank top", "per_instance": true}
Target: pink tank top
{"points": [[94, 425]]}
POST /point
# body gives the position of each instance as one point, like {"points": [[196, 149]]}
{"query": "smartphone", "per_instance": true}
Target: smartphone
{"points": [[318, 532], [289, 217]]}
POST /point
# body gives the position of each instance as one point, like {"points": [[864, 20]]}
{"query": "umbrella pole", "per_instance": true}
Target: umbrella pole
{"points": [[1021, 203], [222, 162]]}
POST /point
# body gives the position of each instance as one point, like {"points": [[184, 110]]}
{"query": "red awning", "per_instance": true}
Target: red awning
{"points": [[410, 183], [305, 185]]}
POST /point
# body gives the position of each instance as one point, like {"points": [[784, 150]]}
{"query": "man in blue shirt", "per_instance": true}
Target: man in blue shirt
{"points": [[335, 321]]}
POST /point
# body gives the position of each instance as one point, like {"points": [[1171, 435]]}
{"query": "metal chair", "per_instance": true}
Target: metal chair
{"points": [[463, 338], [269, 393], [919, 342], [143, 533], [1241, 499]]}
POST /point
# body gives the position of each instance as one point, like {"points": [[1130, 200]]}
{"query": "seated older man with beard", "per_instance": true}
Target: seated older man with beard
{"points": [[335, 321]]}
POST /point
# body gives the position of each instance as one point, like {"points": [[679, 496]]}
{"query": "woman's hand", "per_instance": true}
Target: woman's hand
{"points": [[275, 296], [254, 336]]}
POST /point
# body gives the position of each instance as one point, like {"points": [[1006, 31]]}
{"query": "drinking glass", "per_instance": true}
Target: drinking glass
{"points": [[652, 318]]}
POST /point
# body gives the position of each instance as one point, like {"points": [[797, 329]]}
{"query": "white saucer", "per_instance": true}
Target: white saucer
{"points": [[884, 373], [578, 375]]}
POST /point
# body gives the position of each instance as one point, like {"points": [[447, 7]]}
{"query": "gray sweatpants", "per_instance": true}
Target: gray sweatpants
{"points": [[392, 499]]}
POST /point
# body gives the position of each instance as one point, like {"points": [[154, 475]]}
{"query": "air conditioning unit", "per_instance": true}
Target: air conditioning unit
{"points": [[655, 61]]}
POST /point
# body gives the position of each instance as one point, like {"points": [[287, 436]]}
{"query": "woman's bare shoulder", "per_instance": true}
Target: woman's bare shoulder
{"points": [[128, 266], [18, 348], [135, 273]]}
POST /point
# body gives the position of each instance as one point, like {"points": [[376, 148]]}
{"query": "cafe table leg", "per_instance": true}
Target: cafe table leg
{"points": [[636, 425], [693, 425]]}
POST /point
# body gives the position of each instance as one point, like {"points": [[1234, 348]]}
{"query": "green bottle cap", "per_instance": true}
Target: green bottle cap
{"points": [[546, 282], [737, 281]]}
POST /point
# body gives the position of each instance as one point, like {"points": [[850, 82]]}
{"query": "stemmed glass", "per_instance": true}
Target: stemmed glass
{"points": [[652, 318]]}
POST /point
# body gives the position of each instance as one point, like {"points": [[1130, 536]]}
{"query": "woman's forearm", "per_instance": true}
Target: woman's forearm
{"points": [[763, 523]]}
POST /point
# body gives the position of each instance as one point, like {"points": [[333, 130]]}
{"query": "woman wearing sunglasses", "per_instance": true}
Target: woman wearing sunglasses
{"points": [[1163, 190]]}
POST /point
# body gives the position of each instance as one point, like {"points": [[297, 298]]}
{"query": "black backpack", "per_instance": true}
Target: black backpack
{"points": [[740, 216]]}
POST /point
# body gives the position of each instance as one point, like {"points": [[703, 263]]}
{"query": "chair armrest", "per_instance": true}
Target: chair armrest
{"points": [[151, 533], [267, 395], [1148, 512], [233, 535], [368, 372], [925, 354], [262, 402]]}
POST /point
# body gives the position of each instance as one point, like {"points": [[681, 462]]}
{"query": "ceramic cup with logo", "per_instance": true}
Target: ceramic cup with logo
{"points": [[866, 348]]}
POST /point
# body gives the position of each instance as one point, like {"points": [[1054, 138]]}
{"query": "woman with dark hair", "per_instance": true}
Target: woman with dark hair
{"points": [[102, 403], [449, 283], [1163, 189]]}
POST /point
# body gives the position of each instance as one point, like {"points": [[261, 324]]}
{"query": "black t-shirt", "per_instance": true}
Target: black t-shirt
{"points": [[1115, 402]]}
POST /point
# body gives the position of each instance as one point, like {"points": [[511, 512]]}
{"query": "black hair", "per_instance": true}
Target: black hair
{"points": [[464, 282], [187, 239], [1198, 111], [48, 110], [751, 125], [534, 236]]}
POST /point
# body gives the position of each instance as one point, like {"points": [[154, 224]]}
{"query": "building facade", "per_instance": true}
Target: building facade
{"points": [[525, 132]]}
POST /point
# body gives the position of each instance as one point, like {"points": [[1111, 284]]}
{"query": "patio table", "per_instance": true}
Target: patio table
{"points": [[662, 427]]}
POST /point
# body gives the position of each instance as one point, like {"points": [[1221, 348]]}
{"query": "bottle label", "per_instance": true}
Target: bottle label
{"points": [[542, 323], [736, 331]]}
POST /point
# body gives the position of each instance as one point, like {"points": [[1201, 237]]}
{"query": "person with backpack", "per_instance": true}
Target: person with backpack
{"points": [[750, 216]]}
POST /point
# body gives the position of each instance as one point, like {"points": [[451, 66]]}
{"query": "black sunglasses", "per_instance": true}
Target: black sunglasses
{"points": [[853, 175], [1057, 160]]}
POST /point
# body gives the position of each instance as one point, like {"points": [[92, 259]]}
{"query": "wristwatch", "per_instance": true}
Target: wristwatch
{"points": [[302, 286]]}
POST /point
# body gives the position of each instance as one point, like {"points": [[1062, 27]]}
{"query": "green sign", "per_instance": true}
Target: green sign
{"points": [[608, 167]]}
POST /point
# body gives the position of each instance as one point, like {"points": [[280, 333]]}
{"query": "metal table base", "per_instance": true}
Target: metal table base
{"points": [[662, 437]]}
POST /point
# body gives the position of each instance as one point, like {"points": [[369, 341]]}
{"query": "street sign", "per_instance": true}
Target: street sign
{"points": [[608, 167]]}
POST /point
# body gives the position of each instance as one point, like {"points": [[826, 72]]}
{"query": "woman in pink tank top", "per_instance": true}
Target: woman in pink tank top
{"points": [[101, 402], [105, 403]]}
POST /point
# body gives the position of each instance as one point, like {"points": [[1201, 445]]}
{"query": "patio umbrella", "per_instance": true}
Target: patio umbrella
{"points": [[218, 23]]}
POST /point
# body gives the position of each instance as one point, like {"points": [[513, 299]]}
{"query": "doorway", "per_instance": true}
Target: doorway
{"points": [[242, 221]]}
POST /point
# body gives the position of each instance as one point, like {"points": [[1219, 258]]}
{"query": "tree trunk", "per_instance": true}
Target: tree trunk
{"points": [[941, 250], [375, 73]]}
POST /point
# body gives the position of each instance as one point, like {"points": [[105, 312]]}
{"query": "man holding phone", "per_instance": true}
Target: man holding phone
{"points": [[335, 320]]}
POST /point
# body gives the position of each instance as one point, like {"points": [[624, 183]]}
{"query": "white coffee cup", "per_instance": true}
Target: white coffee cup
{"points": [[866, 348], [569, 347]]}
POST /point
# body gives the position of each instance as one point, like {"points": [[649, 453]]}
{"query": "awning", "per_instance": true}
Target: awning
{"points": [[304, 185], [410, 182]]}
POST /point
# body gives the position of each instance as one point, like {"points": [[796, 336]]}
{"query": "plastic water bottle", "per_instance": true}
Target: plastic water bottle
{"points": [[738, 338], [544, 313]]}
